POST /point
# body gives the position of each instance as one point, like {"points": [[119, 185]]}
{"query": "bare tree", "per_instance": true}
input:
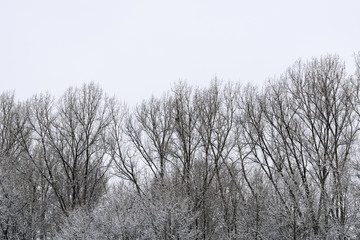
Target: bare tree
{"points": [[150, 130], [122, 153], [324, 96], [70, 144], [301, 137], [185, 140], [22, 195], [216, 108], [198, 163]]}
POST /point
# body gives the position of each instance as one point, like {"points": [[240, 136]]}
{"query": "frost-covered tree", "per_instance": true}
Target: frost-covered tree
{"points": [[219, 162]]}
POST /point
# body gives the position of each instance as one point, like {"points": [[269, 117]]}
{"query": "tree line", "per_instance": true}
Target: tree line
{"points": [[222, 162]]}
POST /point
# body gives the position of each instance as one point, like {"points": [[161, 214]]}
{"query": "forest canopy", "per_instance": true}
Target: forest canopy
{"points": [[227, 161]]}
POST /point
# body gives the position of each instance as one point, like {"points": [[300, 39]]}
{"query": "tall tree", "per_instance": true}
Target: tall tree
{"points": [[70, 144]]}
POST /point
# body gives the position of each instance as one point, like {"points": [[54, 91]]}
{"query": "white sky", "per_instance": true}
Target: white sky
{"points": [[138, 48]]}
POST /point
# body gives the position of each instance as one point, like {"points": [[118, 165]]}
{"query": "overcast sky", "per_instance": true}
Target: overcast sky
{"points": [[138, 48]]}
